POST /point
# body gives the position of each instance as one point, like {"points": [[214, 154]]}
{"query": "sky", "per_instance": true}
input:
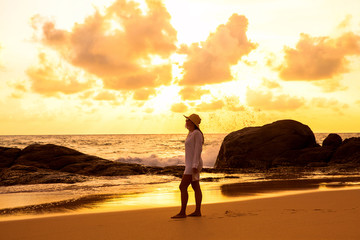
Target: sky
{"points": [[133, 67]]}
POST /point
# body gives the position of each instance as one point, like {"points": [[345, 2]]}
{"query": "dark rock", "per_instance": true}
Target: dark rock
{"points": [[51, 156], [20, 174], [8, 156], [317, 164], [305, 157], [348, 152], [332, 140], [52, 164], [259, 146], [64, 159]]}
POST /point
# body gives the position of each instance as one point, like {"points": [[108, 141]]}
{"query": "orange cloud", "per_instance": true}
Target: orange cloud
{"points": [[331, 85], [209, 107], [118, 46], [143, 94], [106, 96], [316, 58], [179, 108], [49, 79], [192, 93], [329, 104], [19, 88], [267, 101], [209, 62]]}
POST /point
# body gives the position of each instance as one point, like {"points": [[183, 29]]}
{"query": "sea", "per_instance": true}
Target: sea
{"points": [[100, 194]]}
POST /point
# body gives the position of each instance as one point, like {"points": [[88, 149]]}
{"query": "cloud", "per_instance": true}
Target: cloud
{"points": [[50, 79], [333, 104], [228, 103], [118, 46], [331, 85], [106, 96], [270, 84], [149, 110], [179, 108], [18, 87], [143, 94], [267, 101], [345, 23], [316, 58], [192, 93], [209, 107], [209, 62]]}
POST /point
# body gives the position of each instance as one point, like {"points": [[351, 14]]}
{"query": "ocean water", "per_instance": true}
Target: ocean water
{"points": [[148, 149], [126, 192]]}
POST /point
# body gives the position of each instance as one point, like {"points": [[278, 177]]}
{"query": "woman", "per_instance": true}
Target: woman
{"points": [[193, 166]]}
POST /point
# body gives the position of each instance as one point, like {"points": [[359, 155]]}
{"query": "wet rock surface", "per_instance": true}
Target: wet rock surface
{"points": [[285, 143], [259, 146], [54, 164], [347, 153]]}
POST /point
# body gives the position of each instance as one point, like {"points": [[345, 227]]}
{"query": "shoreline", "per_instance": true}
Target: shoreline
{"points": [[313, 215], [93, 204], [167, 194]]}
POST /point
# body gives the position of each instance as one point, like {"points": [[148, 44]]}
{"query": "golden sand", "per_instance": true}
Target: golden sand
{"points": [[316, 215]]}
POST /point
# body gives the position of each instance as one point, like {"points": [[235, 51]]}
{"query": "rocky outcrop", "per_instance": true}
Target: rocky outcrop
{"points": [[52, 163], [64, 159], [8, 156], [348, 152], [258, 147], [312, 157], [285, 143]]}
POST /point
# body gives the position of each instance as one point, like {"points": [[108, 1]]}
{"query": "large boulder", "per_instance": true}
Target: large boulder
{"points": [[52, 163], [258, 147], [65, 159], [348, 152], [333, 140], [50, 156]]}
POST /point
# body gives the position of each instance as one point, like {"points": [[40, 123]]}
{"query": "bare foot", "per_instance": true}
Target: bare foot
{"points": [[195, 214], [180, 215]]}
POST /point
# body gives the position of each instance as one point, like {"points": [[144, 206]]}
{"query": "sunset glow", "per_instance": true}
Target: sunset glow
{"points": [[117, 66]]}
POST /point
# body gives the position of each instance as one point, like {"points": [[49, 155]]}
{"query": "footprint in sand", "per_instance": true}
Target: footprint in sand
{"points": [[229, 213]]}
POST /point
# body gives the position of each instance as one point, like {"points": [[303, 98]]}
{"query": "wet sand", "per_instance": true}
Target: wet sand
{"points": [[316, 215]]}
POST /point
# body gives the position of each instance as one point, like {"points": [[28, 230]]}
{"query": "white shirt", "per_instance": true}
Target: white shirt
{"points": [[193, 149]]}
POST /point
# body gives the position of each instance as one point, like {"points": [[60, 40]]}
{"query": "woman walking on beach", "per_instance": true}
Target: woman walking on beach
{"points": [[193, 166]]}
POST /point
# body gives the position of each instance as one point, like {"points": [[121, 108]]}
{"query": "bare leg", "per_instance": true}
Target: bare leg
{"points": [[185, 182], [198, 199]]}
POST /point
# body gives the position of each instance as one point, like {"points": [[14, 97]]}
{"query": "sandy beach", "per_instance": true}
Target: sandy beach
{"points": [[313, 215]]}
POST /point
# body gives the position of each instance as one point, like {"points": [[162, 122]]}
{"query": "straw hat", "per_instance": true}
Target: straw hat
{"points": [[195, 119]]}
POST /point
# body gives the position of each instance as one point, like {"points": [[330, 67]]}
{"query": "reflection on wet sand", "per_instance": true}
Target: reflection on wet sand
{"points": [[60, 206], [253, 188], [216, 188]]}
